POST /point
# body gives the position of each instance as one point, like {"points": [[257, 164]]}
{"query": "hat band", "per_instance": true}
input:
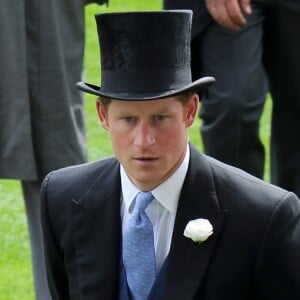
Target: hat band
{"points": [[145, 81]]}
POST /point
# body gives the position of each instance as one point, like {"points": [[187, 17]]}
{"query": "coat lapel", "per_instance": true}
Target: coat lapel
{"points": [[188, 261], [96, 221]]}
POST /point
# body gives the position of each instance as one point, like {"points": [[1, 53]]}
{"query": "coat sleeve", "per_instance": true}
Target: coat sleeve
{"points": [[56, 274], [277, 272]]}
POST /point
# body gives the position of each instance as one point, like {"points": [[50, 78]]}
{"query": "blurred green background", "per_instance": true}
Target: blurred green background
{"points": [[16, 281]]}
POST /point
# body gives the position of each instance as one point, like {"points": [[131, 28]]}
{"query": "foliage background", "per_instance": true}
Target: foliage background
{"points": [[15, 266]]}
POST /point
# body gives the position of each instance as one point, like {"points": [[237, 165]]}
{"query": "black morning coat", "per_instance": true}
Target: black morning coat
{"points": [[253, 253]]}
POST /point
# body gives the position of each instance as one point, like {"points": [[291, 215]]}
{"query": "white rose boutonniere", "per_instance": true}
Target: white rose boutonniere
{"points": [[198, 230]]}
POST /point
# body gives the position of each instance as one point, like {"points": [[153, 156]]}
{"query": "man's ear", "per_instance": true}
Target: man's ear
{"points": [[191, 109], [102, 114]]}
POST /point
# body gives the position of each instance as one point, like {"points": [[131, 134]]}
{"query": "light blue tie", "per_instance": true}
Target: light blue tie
{"points": [[138, 249]]}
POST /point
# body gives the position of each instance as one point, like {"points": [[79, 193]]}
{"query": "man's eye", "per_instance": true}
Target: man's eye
{"points": [[160, 117], [129, 119]]}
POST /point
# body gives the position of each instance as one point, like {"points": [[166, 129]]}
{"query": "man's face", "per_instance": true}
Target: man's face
{"points": [[149, 138]]}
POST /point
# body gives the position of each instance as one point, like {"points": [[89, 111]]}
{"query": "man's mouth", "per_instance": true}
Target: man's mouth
{"points": [[146, 159]]}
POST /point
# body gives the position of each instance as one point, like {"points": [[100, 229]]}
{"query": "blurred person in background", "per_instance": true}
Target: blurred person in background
{"points": [[41, 110], [250, 47]]}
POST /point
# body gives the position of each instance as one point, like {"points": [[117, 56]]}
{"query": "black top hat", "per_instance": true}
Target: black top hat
{"points": [[145, 55]]}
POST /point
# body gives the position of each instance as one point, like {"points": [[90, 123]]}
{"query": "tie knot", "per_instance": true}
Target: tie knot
{"points": [[142, 200]]}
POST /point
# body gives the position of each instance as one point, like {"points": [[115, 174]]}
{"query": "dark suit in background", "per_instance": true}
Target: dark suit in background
{"points": [[252, 254], [240, 60], [41, 110]]}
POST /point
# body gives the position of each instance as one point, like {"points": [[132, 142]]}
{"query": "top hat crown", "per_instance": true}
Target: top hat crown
{"points": [[145, 55]]}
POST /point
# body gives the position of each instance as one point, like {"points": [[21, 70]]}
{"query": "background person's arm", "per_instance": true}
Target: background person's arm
{"points": [[229, 13]]}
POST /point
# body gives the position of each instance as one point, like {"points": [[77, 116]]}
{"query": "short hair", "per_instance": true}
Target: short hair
{"points": [[105, 101], [182, 97]]}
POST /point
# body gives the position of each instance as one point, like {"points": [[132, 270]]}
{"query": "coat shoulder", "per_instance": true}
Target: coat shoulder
{"points": [[243, 192], [237, 190], [61, 186], [78, 176]]}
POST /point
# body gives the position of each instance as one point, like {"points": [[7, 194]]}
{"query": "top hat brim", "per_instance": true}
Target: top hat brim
{"points": [[196, 86]]}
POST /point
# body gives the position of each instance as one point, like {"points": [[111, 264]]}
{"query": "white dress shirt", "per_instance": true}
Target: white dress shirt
{"points": [[161, 211]]}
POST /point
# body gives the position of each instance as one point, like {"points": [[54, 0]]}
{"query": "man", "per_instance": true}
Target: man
{"points": [[239, 43], [98, 240]]}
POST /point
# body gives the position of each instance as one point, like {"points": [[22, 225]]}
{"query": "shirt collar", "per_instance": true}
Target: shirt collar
{"points": [[167, 194]]}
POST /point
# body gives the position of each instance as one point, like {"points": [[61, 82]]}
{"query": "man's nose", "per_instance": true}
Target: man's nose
{"points": [[144, 135]]}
